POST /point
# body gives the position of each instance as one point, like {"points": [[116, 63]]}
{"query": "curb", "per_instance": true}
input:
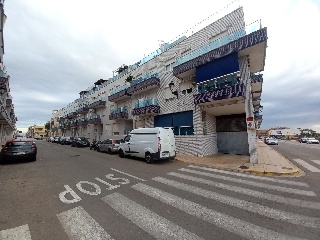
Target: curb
{"points": [[260, 172]]}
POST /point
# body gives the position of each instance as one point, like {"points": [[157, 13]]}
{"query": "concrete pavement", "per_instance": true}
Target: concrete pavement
{"points": [[270, 162]]}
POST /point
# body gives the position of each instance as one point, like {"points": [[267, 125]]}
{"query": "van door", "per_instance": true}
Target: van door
{"points": [[126, 145], [169, 144]]}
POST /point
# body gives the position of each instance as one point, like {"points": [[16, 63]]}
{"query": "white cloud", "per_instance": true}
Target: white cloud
{"points": [[55, 49]]}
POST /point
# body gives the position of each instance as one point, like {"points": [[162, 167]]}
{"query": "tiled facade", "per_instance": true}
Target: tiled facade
{"points": [[194, 85], [7, 114]]}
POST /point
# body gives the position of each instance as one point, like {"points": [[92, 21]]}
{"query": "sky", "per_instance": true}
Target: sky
{"points": [[56, 49]]}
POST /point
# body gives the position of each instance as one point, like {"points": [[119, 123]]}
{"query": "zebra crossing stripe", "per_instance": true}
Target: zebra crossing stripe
{"points": [[18, 233], [150, 222], [78, 224], [253, 193], [256, 184], [307, 165], [231, 224], [252, 176], [316, 161], [128, 175], [242, 204]]}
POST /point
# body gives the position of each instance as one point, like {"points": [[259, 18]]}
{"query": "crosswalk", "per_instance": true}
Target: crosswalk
{"points": [[202, 194], [310, 167]]}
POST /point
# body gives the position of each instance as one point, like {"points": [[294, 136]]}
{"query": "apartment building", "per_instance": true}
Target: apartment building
{"points": [[206, 86], [7, 115]]}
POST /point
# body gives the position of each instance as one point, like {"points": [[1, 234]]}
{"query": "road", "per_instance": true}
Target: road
{"points": [[306, 157], [75, 193]]}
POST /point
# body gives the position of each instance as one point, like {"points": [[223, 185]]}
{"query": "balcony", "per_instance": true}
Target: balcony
{"points": [[146, 107], [83, 109], [83, 121], [210, 94], [252, 45], [119, 113], [94, 119], [74, 123], [97, 103], [144, 83]]}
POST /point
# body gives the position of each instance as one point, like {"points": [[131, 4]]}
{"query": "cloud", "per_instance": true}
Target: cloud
{"points": [[55, 49]]}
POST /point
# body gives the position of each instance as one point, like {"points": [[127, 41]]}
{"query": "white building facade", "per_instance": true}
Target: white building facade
{"points": [[206, 86], [7, 114]]}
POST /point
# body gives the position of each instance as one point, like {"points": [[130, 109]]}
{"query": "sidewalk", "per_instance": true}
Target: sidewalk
{"points": [[270, 162]]}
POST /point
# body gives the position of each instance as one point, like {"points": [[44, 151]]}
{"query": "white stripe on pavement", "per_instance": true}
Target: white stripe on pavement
{"points": [[255, 184], [316, 161], [78, 224], [152, 223], [18, 233], [307, 165], [128, 174], [253, 193], [242, 204], [231, 224], [252, 176]]}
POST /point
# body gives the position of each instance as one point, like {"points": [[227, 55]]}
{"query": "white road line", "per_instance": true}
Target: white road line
{"points": [[152, 223], [231, 224], [253, 193], [128, 174], [252, 176], [255, 184], [18, 233], [316, 161], [307, 165], [78, 224], [242, 204]]}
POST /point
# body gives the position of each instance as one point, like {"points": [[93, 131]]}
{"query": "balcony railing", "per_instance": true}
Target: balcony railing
{"points": [[94, 119], [146, 82], [83, 109], [100, 102], [211, 95], [146, 106], [220, 42], [218, 83], [119, 113], [83, 121]]}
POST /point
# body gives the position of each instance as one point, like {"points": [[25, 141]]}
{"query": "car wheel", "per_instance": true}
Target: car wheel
{"points": [[109, 151], [98, 149], [33, 159], [121, 153], [148, 158]]}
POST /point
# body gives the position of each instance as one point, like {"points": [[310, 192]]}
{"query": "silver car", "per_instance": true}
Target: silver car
{"points": [[109, 145]]}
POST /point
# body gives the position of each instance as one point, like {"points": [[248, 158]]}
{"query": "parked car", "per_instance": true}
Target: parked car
{"points": [[312, 141], [272, 141], [19, 149], [80, 142], [149, 143], [50, 139], [266, 140], [56, 139], [66, 140], [109, 145], [303, 140]]}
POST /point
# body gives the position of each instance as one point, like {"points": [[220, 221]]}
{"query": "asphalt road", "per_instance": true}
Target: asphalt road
{"points": [[75, 193]]}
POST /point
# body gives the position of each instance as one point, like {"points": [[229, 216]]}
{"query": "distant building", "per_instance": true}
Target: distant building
{"points": [[285, 133], [36, 131]]}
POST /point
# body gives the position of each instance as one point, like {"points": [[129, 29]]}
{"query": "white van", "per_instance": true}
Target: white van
{"points": [[149, 143]]}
